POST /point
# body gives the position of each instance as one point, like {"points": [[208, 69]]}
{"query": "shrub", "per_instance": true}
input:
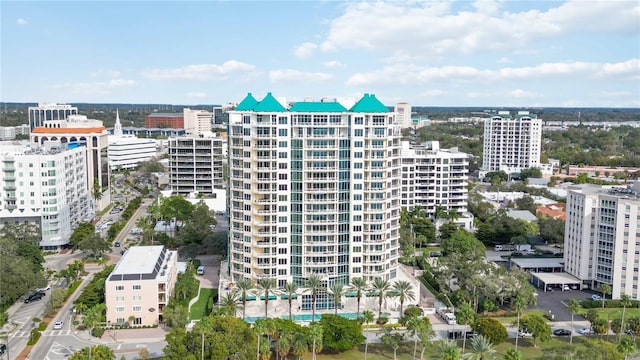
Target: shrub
{"points": [[97, 332], [35, 335], [42, 326], [196, 262], [413, 311], [492, 329], [382, 320]]}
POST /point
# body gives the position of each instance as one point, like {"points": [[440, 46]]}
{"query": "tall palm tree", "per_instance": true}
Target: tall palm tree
{"points": [[382, 286], [447, 350], [259, 327], [465, 315], [573, 307], [290, 288], [229, 303], [315, 334], [605, 289], [405, 292], [299, 345], [337, 290], [283, 345], [368, 317], [480, 349], [266, 286], [359, 286], [519, 304], [624, 301], [313, 284], [244, 286]]}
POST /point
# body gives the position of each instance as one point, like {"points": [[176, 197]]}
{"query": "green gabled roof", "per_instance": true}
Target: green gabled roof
{"points": [[247, 104], [317, 107], [269, 104], [369, 104]]}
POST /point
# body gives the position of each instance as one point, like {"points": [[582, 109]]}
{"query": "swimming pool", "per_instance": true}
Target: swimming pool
{"points": [[309, 317]]}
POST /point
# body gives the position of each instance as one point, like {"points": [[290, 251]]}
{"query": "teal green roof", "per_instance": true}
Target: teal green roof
{"points": [[247, 103], [369, 104], [317, 107], [269, 104]]}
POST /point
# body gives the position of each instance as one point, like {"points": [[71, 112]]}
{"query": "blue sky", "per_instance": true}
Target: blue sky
{"points": [[445, 53]]}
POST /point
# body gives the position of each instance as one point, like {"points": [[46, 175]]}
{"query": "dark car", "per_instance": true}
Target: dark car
{"points": [[116, 244], [561, 332], [3, 348], [34, 297], [454, 334], [470, 334]]}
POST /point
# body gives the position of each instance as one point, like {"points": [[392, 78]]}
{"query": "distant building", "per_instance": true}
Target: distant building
{"points": [[10, 132], [171, 120], [38, 115], [156, 133], [197, 122], [139, 287], [525, 215], [554, 211], [403, 114], [196, 164], [127, 151], [600, 171]]}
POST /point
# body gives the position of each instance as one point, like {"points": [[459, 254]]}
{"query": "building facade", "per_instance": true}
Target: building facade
{"points": [[602, 237], [127, 151], [511, 143], [92, 136], [140, 286], [44, 112], [196, 165], [403, 114], [197, 122], [171, 120], [435, 180], [47, 186], [314, 190]]}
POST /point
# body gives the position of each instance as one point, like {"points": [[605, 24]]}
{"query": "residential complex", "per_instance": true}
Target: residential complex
{"points": [[403, 114], [38, 115], [197, 121], [511, 143], [10, 132], [127, 151], [196, 165], [171, 120], [92, 136], [314, 189], [602, 237], [45, 185], [140, 286], [435, 180]]}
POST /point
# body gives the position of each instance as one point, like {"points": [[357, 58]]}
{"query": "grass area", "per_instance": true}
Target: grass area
{"points": [[105, 210], [613, 313], [199, 308], [508, 320]]}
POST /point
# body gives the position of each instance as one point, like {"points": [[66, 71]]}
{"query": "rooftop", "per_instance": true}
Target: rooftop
{"points": [[529, 263], [525, 215], [317, 106], [139, 260], [367, 104]]}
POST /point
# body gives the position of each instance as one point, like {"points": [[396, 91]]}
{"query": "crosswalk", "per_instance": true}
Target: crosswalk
{"points": [[26, 334]]}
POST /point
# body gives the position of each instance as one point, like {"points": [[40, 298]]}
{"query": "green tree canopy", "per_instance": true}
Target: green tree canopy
{"points": [[492, 329], [98, 352], [339, 333]]}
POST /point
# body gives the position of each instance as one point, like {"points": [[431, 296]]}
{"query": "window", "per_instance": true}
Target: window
{"points": [[120, 309], [137, 308], [119, 298], [120, 321], [137, 298], [137, 287], [119, 287]]}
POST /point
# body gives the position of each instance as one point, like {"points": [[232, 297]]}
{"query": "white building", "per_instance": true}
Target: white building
{"points": [[314, 189], [196, 165], [38, 115], [126, 151], [140, 285], [511, 143], [403, 114], [602, 237], [93, 137], [434, 177], [47, 186], [197, 121]]}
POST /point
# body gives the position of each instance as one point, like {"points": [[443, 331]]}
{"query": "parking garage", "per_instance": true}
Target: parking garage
{"points": [[557, 280], [538, 265]]}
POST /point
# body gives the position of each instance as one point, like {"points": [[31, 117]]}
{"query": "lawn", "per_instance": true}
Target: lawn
{"points": [[199, 308], [614, 313]]}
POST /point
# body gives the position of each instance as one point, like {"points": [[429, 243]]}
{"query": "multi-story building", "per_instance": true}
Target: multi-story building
{"points": [[403, 114], [92, 136], [314, 190], [435, 180], [171, 120], [139, 287], [511, 143], [602, 237], [47, 186], [38, 115], [127, 151], [10, 132], [196, 165], [197, 122]]}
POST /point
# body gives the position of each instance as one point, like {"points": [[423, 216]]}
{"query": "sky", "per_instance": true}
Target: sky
{"points": [[428, 53]]}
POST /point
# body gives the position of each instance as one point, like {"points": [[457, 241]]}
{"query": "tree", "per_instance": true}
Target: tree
{"points": [[391, 339], [513, 354], [291, 289], [299, 344], [143, 354], [421, 330], [368, 317], [339, 333], [625, 301], [316, 334], [463, 242], [626, 346], [17, 233], [175, 316], [336, 290], [447, 350], [98, 352], [81, 232], [313, 284], [244, 285], [530, 173], [526, 203], [283, 345], [96, 191], [266, 286], [95, 245], [601, 326], [551, 230], [634, 325], [605, 289], [480, 349], [573, 306], [382, 286], [591, 316], [598, 349], [465, 315], [404, 291], [229, 303], [259, 328], [537, 325], [359, 286], [492, 329]]}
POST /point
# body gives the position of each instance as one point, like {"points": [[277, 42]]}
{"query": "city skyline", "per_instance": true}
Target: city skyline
{"points": [[482, 53]]}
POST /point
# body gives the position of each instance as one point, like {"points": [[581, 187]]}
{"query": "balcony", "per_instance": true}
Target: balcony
{"points": [[11, 206], [10, 187], [265, 244], [10, 197]]}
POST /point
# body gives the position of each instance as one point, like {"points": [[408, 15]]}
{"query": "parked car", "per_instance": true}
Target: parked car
{"points": [[58, 325], [470, 334], [585, 331], [454, 334], [595, 297], [33, 297], [565, 288], [524, 333], [3, 348], [43, 289], [116, 244], [561, 332]]}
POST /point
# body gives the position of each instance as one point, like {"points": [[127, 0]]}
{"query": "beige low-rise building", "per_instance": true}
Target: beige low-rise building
{"points": [[140, 285]]}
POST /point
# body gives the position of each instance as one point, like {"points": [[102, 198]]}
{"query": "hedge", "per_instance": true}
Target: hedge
{"points": [[613, 304]]}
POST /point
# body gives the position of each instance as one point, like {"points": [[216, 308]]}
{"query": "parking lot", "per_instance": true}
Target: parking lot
{"points": [[555, 301]]}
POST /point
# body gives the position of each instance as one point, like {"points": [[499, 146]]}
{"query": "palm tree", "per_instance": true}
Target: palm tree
{"points": [[480, 349], [382, 287], [229, 303], [624, 301], [368, 317], [465, 316], [283, 345], [404, 289], [259, 327], [290, 288], [413, 326], [266, 286], [337, 290], [244, 286], [572, 306], [604, 289], [313, 284], [359, 286], [299, 345], [315, 334], [519, 304], [447, 350], [626, 346]]}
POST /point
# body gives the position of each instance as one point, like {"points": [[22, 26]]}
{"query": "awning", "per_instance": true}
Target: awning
{"points": [[271, 297], [286, 296]]}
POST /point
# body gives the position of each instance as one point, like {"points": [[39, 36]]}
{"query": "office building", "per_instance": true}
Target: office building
{"points": [[45, 185], [602, 237], [127, 151], [435, 180], [93, 137], [403, 114], [139, 287], [197, 122], [196, 165], [38, 115], [314, 190], [170, 120], [511, 143]]}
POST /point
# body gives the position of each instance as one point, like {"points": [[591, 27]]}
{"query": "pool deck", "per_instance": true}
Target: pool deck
{"points": [[280, 308]]}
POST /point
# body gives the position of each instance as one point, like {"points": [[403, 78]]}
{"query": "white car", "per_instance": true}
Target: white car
{"points": [[595, 297], [58, 325], [585, 331], [524, 334]]}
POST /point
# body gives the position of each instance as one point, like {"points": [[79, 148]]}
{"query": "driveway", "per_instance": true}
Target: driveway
{"points": [[211, 277]]}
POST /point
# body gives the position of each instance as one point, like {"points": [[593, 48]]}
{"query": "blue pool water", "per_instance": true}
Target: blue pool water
{"points": [[308, 317]]}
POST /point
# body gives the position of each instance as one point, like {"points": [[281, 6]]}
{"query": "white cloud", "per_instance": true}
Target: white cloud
{"points": [[305, 50], [333, 64], [622, 68], [196, 95], [109, 73], [523, 94], [504, 60], [433, 93], [100, 88], [290, 75], [22, 21], [201, 72]]}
